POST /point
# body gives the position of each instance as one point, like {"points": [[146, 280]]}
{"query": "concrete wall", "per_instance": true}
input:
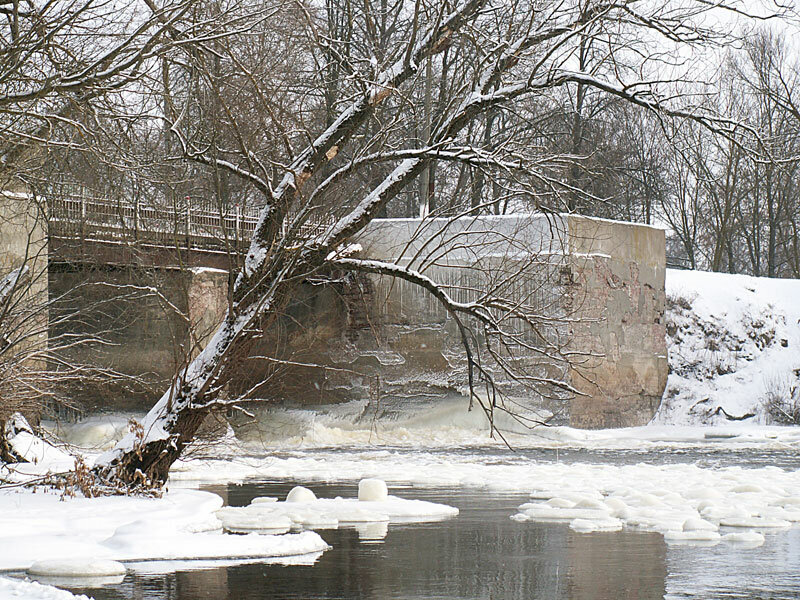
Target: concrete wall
{"points": [[599, 286], [134, 321], [23, 243], [617, 294]]}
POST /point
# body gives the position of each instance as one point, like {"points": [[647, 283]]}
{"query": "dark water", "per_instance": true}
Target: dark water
{"points": [[483, 554]]}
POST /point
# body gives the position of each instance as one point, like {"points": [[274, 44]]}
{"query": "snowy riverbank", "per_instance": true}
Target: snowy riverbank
{"points": [[734, 349]]}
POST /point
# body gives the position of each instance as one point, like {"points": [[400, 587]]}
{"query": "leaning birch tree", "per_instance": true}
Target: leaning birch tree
{"points": [[509, 55]]}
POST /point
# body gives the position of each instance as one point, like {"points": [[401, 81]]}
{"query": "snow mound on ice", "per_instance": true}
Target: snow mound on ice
{"points": [[300, 494], [733, 345], [372, 490], [77, 567]]}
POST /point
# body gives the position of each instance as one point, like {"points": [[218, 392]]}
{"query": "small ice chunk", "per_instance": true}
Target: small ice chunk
{"points": [[648, 500], [696, 524], [560, 503], [77, 567], [312, 518], [747, 488], [791, 501], [703, 493], [754, 522], [590, 525], [592, 504], [372, 490], [693, 536], [265, 500], [744, 537], [246, 520], [300, 494], [544, 512]]}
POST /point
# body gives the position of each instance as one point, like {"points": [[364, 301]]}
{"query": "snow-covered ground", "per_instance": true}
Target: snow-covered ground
{"points": [[734, 349], [16, 589]]}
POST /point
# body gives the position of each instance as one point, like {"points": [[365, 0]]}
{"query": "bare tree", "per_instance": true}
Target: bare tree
{"points": [[528, 52]]}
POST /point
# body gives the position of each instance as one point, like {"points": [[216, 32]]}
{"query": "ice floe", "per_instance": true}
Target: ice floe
{"points": [[302, 509], [77, 567], [683, 502], [181, 525]]}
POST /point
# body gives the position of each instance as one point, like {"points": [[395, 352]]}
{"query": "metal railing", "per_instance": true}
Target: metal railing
{"points": [[191, 223], [188, 223]]}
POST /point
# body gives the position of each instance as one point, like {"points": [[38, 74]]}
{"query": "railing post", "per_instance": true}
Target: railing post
{"points": [[136, 218], [188, 222], [83, 214], [239, 232]]}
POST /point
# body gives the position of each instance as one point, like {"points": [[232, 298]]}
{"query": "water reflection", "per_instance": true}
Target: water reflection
{"points": [[480, 554]]}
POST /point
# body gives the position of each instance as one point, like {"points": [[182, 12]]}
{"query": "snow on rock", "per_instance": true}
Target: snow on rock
{"points": [[734, 349], [181, 525], [31, 590], [373, 505], [31, 447], [77, 567]]}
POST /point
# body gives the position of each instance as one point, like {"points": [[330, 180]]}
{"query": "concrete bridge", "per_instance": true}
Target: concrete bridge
{"points": [[603, 280]]}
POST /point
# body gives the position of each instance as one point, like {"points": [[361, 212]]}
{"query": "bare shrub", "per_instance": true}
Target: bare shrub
{"points": [[781, 399]]}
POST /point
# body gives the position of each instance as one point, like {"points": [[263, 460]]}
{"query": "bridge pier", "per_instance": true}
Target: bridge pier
{"points": [[207, 302], [600, 283]]}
